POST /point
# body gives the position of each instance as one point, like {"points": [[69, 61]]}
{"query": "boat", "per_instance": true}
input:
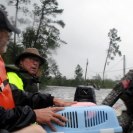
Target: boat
{"points": [[85, 94], [86, 116]]}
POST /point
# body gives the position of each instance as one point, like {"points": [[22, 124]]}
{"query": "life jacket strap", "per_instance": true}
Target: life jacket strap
{"points": [[3, 84]]}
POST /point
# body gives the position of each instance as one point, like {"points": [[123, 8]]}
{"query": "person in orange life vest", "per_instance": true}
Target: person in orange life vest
{"points": [[18, 110]]}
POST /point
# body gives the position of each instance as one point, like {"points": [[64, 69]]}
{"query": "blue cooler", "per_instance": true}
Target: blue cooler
{"points": [[93, 119]]}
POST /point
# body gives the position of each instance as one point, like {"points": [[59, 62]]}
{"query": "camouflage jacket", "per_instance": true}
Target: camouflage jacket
{"points": [[124, 91]]}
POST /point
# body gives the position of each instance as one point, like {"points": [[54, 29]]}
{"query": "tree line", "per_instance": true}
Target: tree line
{"points": [[78, 79], [41, 30]]}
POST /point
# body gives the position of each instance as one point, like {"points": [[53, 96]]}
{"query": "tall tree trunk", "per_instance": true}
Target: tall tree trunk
{"points": [[40, 23], [106, 62], [16, 17]]}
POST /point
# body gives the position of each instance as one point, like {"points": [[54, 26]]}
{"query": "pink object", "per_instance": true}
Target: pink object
{"points": [[84, 104], [87, 104]]}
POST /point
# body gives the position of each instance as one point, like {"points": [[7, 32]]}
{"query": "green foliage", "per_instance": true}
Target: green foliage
{"points": [[108, 83], [28, 37], [78, 73], [113, 46], [12, 52], [54, 69], [113, 49], [59, 80], [62, 81], [47, 35], [96, 80], [43, 34]]}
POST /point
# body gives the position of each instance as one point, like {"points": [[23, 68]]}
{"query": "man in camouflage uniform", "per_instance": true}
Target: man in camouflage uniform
{"points": [[124, 91]]}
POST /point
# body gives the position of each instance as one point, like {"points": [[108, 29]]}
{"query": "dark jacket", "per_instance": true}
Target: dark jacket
{"points": [[30, 82], [124, 91], [23, 115], [4, 131]]}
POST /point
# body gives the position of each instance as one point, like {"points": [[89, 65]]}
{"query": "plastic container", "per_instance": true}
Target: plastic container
{"points": [[93, 119]]}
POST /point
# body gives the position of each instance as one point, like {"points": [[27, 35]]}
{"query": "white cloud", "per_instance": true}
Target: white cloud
{"points": [[87, 25]]}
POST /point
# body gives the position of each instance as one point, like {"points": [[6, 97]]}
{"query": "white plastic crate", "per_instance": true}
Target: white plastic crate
{"points": [[93, 119]]}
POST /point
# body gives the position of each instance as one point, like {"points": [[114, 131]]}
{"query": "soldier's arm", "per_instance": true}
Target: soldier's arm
{"points": [[119, 88]]}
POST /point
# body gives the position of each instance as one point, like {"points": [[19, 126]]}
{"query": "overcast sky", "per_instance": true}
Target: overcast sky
{"points": [[86, 32]]}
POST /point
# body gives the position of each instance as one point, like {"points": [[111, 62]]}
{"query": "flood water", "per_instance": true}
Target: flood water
{"points": [[67, 93]]}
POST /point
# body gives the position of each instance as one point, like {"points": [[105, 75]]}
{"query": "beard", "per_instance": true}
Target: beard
{"points": [[3, 48]]}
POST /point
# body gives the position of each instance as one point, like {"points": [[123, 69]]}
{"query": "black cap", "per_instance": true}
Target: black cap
{"points": [[5, 23]]}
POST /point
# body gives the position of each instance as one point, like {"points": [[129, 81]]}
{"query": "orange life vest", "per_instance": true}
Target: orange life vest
{"points": [[6, 98]]}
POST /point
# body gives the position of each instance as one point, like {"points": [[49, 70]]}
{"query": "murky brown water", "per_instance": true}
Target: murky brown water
{"points": [[67, 93]]}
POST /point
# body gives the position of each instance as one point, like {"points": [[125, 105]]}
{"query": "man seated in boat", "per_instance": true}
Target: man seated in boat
{"points": [[26, 72]]}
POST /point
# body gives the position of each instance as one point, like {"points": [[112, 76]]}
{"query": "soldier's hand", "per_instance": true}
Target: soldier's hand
{"points": [[62, 103]]}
